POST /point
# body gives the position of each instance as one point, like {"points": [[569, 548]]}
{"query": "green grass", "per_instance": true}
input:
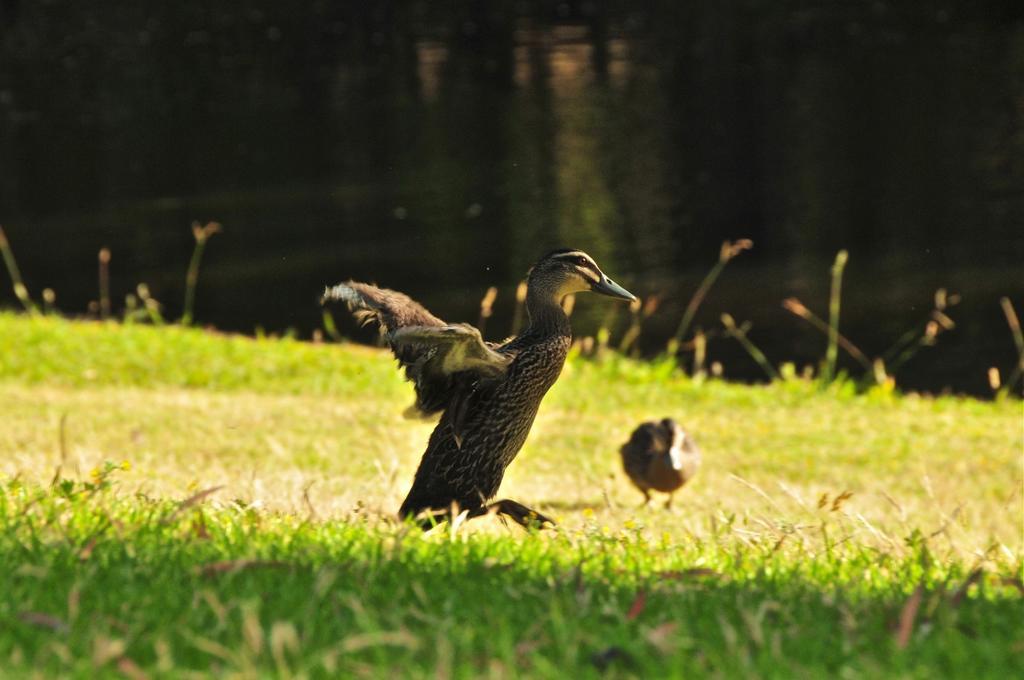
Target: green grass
{"points": [[294, 567]]}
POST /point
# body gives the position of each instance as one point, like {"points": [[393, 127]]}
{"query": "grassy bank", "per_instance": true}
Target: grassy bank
{"points": [[818, 520]]}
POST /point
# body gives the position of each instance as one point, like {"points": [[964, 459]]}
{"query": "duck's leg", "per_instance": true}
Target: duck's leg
{"points": [[518, 512], [668, 503], [647, 497]]}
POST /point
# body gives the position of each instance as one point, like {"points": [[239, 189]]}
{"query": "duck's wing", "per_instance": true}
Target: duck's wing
{"points": [[452, 348], [443, 361], [449, 364], [389, 309]]}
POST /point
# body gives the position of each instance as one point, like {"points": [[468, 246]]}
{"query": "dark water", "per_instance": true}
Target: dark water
{"points": [[440, 148]]}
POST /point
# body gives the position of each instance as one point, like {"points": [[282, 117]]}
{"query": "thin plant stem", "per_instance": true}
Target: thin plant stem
{"points": [[797, 308], [740, 333], [20, 290], [486, 308], [49, 301], [331, 328], [151, 306], [104, 267], [906, 355], [633, 332], [517, 316], [1018, 339], [700, 348], [202, 234], [904, 341], [913, 339], [832, 351], [728, 251]]}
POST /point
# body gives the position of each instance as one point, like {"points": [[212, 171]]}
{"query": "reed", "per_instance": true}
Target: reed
{"points": [[49, 301], [1018, 339], [700, 348], [104, 276], [739, 333], [20, 290], [131, 309], [202, 234], [640, 311], [917, 337], [520, 311], [330, 327], [150, 305], [728, 251], [486, 308], [633, 332], [835, 294], [797, 308]]}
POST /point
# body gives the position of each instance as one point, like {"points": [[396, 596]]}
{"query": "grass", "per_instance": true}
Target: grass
{"points": [[828, 533]]}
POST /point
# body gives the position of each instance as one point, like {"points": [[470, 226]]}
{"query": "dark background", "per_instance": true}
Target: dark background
{"points": [[441, 147]]}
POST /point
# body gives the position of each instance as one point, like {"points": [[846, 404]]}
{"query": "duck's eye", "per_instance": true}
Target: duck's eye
{"points": [[582, 261]]}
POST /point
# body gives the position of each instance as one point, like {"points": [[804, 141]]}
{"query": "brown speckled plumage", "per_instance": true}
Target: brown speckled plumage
{"points": [[660, 456], [488, 395]]}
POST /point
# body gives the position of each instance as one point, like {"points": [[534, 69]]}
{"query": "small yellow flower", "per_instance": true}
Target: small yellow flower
{"points": [[588, 512], [126, 465], [629, 524], [95, 473]]}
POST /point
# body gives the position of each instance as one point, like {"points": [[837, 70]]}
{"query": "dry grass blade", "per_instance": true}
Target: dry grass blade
{"points": [[130, 669], [44, 621], [660, 637], [397, 638], [838, 501], [191, 501], [758, 491], [1014, 582], [86, 552], [231, 566], [486, 308], [633, 332], [635, 609], [517, 315], [974, 577], [694, 572], [908, 616]]}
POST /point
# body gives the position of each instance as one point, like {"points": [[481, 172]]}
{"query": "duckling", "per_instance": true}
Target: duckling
{"points": [[660, 456], [487, 394]]}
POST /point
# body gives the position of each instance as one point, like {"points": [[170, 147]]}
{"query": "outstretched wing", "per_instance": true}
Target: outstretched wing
{"points": [[450, 349], [390, 309], [443, 361]]}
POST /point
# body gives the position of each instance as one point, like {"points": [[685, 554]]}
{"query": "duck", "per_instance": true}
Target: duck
{"points": [[660, 456], [487, 394]]}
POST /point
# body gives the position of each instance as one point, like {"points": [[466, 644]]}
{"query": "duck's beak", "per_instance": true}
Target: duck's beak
{"points": [[612, 289]]}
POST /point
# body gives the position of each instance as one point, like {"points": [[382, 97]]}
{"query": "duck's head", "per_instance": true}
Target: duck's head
{"points": [[566, 271]]}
